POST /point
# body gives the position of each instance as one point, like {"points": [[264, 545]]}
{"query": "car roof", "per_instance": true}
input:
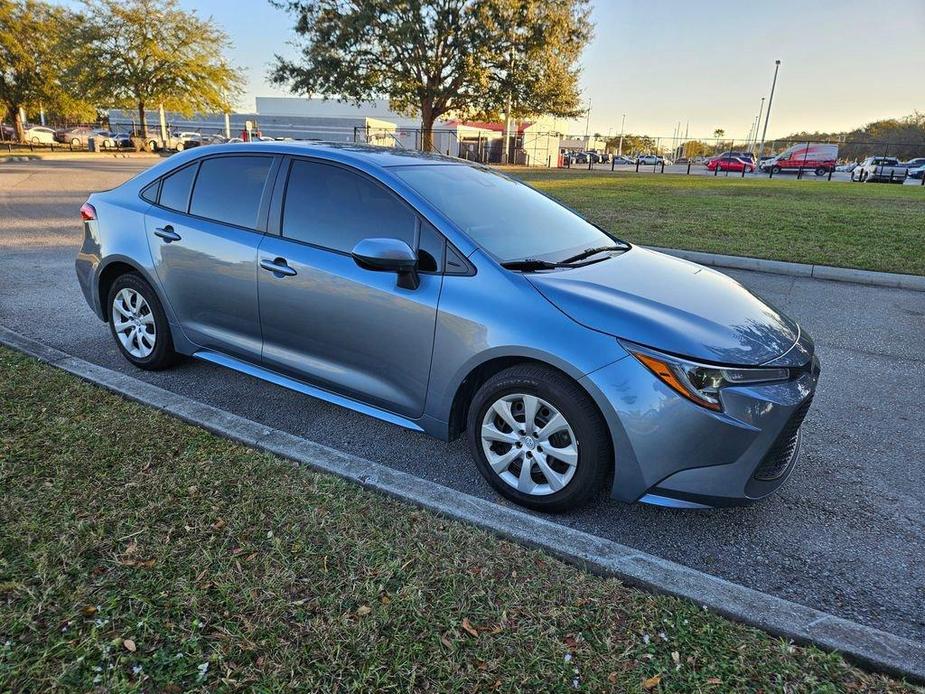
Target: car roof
{"points": [[346, 152]]}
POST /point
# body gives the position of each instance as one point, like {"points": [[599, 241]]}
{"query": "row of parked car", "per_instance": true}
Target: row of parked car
{"points": [[77, 137], [595, 157], [80, 136], [884, 169], [820, 159]]}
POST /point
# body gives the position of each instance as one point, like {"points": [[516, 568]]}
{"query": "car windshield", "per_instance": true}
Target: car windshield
{"points": [[508, 219]]}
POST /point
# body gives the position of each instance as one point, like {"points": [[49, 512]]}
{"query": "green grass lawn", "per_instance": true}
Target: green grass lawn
{"points": [[872, 226], [141, 553]]}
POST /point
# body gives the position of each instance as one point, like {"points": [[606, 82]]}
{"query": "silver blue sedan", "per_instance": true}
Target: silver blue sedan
{"points": [[448, 298]]}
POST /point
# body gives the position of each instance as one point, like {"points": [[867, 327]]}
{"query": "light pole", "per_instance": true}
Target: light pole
{"points": [[767, 115], [587, 121], [622, 123], [757, 124]]}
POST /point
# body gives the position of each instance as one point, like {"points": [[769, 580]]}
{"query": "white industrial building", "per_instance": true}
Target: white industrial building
{"points": [[533, 143]]}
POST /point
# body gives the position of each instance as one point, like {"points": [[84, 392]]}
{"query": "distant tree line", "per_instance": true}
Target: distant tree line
{"points": [[132, 54]]}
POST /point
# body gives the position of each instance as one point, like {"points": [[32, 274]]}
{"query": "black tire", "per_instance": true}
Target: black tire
{"points": [[595, 456], [163, 355], [775, 170], [821, 171]]}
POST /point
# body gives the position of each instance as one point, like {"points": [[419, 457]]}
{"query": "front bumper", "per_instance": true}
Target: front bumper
{"points": [[671, 451]]}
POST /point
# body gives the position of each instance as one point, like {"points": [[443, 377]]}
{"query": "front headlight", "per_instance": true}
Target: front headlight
{"points": [[701, 383]]}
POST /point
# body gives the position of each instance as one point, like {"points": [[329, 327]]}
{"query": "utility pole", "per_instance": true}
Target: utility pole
{"points": [[758, 122], [163, 119], [622, 123], [767, 115], [587, 122]]}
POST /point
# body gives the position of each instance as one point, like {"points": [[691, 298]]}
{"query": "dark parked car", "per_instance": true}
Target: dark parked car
{"points": [[447, 298]]}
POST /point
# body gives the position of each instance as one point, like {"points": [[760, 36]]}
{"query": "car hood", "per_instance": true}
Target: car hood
{"points": [[672, 305]]}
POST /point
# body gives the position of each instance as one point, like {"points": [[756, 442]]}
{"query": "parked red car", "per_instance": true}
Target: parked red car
{"points": [[730, 163]]}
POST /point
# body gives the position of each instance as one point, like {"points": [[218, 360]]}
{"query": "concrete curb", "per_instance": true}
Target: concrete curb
{"points": [[871, 647], [821, 272]]}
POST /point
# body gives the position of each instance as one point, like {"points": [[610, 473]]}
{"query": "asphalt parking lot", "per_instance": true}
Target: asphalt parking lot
{"points": [[845, 535]]}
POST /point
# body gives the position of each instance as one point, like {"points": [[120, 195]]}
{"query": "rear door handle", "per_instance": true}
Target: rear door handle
{"points": [[277, 266], [167, 233]]}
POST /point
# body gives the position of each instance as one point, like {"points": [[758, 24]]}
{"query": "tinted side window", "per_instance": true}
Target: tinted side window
{"points": [[430, 249], [228, 189], [334, 208], [175, 189], [149, 192]]}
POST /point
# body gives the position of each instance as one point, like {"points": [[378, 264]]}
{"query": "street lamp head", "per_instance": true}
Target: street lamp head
{"points": [[777, 62]]}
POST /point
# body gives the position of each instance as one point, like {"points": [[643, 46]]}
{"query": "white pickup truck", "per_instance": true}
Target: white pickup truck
{"points": [[879, 169]]}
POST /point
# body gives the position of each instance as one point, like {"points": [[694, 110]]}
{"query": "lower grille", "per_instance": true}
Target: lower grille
{"points": [[778, 458]]}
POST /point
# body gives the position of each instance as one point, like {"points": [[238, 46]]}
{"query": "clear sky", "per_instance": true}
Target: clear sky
{"points": [[843, 62]]}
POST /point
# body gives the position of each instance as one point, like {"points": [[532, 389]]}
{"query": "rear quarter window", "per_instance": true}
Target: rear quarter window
{"points": [[175, 189]]}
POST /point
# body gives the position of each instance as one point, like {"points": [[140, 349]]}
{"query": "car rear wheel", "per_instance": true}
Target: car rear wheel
{"points": [[539, 439], [138, 323], [180, 146], [775, 170], [821, 171], [152, 145], [75, 141]]}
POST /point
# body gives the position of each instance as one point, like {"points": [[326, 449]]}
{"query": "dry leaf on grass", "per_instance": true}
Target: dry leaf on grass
{"points": [[471, 630], [363, 610], [652, 682], [129, 645]]}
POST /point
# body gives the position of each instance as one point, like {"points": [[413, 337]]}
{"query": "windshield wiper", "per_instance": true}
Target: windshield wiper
{"points": [[588, 252], [530, 265]]}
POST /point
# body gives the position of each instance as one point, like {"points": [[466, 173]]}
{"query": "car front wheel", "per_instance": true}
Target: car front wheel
{"points": [[139, 325], [538, 439]]}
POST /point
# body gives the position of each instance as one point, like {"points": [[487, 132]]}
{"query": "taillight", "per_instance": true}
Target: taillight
{"points": [[87, 212]]}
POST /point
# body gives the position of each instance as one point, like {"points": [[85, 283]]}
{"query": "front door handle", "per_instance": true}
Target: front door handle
{"points": [[167, 233], [277, 266]]}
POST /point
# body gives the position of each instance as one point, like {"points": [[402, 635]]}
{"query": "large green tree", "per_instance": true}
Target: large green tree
{"points": [[146, 53], [432, 58], [40, 58]]}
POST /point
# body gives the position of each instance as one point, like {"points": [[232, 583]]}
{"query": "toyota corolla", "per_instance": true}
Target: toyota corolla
{"points": [[448, 298]]}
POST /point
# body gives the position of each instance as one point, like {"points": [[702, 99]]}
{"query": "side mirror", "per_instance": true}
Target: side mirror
{"points": [[388, 255]]}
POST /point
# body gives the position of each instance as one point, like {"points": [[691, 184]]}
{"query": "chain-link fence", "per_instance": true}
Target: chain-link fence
{"points": [[839, 160], [858, 161], [886, 161]]}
